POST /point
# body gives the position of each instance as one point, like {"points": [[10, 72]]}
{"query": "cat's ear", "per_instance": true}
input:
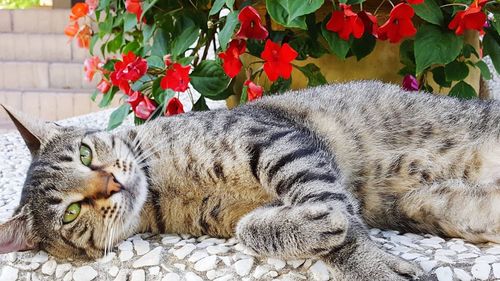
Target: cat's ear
{"points": [[15, 235], [33, 131]]}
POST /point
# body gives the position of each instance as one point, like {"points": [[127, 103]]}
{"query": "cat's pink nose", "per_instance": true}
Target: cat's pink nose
{"points": [[112, 186]]}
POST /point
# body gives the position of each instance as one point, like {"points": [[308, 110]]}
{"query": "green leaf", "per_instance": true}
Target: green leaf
{"points": [[281, 85], [103, 4], [105, 27], [244, 95], [485, 70], [439, 77], [407, 55], [209, 79], [108, 97], [291, 13], [228, 29], [463, 90], [182, 42], [114, 45], [429, 11], [200, 105], [160, 43], [147, 7], [363, 46], [117, 117], [337, 45], [496, 21], [456, 71], [155, 61], [434, 45], [94, 95], [469, 50], [147, 32], [230, 4], [216, 7], [130, 21], [186, 60], [255, 47], [133, 46], [492, 47], [93, 40], [313, 74]]}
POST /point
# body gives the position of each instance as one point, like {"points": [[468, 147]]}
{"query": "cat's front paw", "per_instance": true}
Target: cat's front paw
{"points": [[365, 261]]}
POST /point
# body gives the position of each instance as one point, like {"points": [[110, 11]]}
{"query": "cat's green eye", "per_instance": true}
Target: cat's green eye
{"points": [[85, 155], [72, 212]]}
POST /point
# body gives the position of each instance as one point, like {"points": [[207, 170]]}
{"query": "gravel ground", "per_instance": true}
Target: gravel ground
{"points": [[182, 257]]}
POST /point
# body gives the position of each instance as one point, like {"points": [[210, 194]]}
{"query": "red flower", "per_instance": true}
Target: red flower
{"points": [[370, 22], [134, 7], [415, 2], [278, 60], [174, 107], [71, 29], [399, 24], [231, 57], [176, 78], [472, 18], [129, 70], [91, 66], [103, 86], [78, 11], [254, 91], [141, 105], [251, 25], [345, 23], [83, 37]]}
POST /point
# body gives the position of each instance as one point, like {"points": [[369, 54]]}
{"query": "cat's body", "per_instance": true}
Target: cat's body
{"points": [[296, 175]]}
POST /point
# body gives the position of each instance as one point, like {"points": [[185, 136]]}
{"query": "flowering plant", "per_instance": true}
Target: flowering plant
{"points": [[151, 51]]}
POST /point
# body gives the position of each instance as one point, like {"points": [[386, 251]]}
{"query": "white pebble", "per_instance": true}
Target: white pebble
{"points": [[243, 266], [445, 259], [138, 275], [206, 263], [260, 270], [486, 259], [442, 252], [295, 263], [277, 263], [410, 256], [198, 255], [494, 250], [481, 271], [180, 266], [9, 273], [125, 255], [444, 274], [84, 273], [184, 251], [462, 275], [49, 267], [149, 259], [61, 269], [226, 260], [171, 277], [68, 276], [40, 257], [292, 276], [466, 256], [125, 246], [496, 270], [319, 271], [218, 249], [141, 246], [192, 277], [155, 270], [113, 271], [211, 274], [271, 274], [225, 278], [170, 239], [11, 257], [459, 248], [107, 258], [427, 266]]}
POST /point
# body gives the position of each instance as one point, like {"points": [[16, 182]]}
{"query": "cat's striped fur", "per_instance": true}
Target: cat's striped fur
{"points": [[296, 175]]}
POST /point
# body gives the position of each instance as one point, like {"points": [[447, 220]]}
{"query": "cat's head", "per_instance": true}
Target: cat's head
{"points": [[84, 191]]}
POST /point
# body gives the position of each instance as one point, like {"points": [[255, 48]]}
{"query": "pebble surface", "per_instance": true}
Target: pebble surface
{"points": [[171, 257]]}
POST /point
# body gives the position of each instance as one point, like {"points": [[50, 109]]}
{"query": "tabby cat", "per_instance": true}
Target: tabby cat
{"points": [[297, 175]]}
